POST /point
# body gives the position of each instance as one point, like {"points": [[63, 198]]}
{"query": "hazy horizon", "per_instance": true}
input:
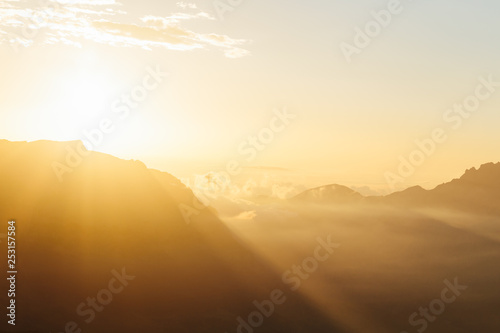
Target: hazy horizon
{"points": [[355, 114]]}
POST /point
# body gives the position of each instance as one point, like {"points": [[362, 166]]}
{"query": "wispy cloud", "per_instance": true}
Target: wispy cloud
{"points": [[185, 5], [247, 215], [70, 22], [86, 2], [174, 18]]}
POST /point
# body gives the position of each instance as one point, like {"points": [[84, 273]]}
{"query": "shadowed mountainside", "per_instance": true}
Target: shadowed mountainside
{"points": [[477, 191], [110, 214]]}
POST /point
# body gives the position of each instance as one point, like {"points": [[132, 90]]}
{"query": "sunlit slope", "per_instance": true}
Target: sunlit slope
{"points": [[191, 275]]}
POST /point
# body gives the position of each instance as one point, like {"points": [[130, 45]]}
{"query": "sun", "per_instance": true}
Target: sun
{"points": [[106, 112], [82, 102], [87, 96], [84, 99]]}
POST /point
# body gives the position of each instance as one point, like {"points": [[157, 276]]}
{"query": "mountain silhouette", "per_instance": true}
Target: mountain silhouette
{"points": [[102, 216], [475, 192], [329, 194]]}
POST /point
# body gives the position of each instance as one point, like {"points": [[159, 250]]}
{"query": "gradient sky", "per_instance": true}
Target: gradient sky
{"points": [[353, 120]]}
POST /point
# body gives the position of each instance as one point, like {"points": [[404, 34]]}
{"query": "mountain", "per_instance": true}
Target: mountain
{"points": [[477, 191], [329, 194], [108, 245]]}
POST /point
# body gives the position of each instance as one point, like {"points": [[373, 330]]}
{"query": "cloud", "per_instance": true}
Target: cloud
{"points": [[246, 215], [217, 185], [162, 22], [86, 2], [141, 35], [267, 168], [236, 53], [105, 22], [185, 5]]}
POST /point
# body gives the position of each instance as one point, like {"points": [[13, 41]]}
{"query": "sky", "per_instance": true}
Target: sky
{"points": [[228, 71]]}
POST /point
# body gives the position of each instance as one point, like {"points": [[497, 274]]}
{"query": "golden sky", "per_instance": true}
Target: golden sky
{"points": [[67, 64]]}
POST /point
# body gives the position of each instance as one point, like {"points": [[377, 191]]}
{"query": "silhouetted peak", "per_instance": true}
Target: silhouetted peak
{"points": [[485, 170], [329, 193], [415, 189]]}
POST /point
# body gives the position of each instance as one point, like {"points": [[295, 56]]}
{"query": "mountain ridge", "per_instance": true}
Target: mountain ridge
{"points": [[474, 191]]}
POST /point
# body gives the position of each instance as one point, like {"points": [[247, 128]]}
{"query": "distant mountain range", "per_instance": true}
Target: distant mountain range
{"points": [[477, 191], [330, 194]]}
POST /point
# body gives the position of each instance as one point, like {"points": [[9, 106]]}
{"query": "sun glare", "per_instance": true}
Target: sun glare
{"points": [[84, 99], [87, 97]]}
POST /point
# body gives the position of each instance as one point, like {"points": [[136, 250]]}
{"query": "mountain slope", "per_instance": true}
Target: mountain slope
{"points": [[329, 194], [477, 191], [109, 216]]}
